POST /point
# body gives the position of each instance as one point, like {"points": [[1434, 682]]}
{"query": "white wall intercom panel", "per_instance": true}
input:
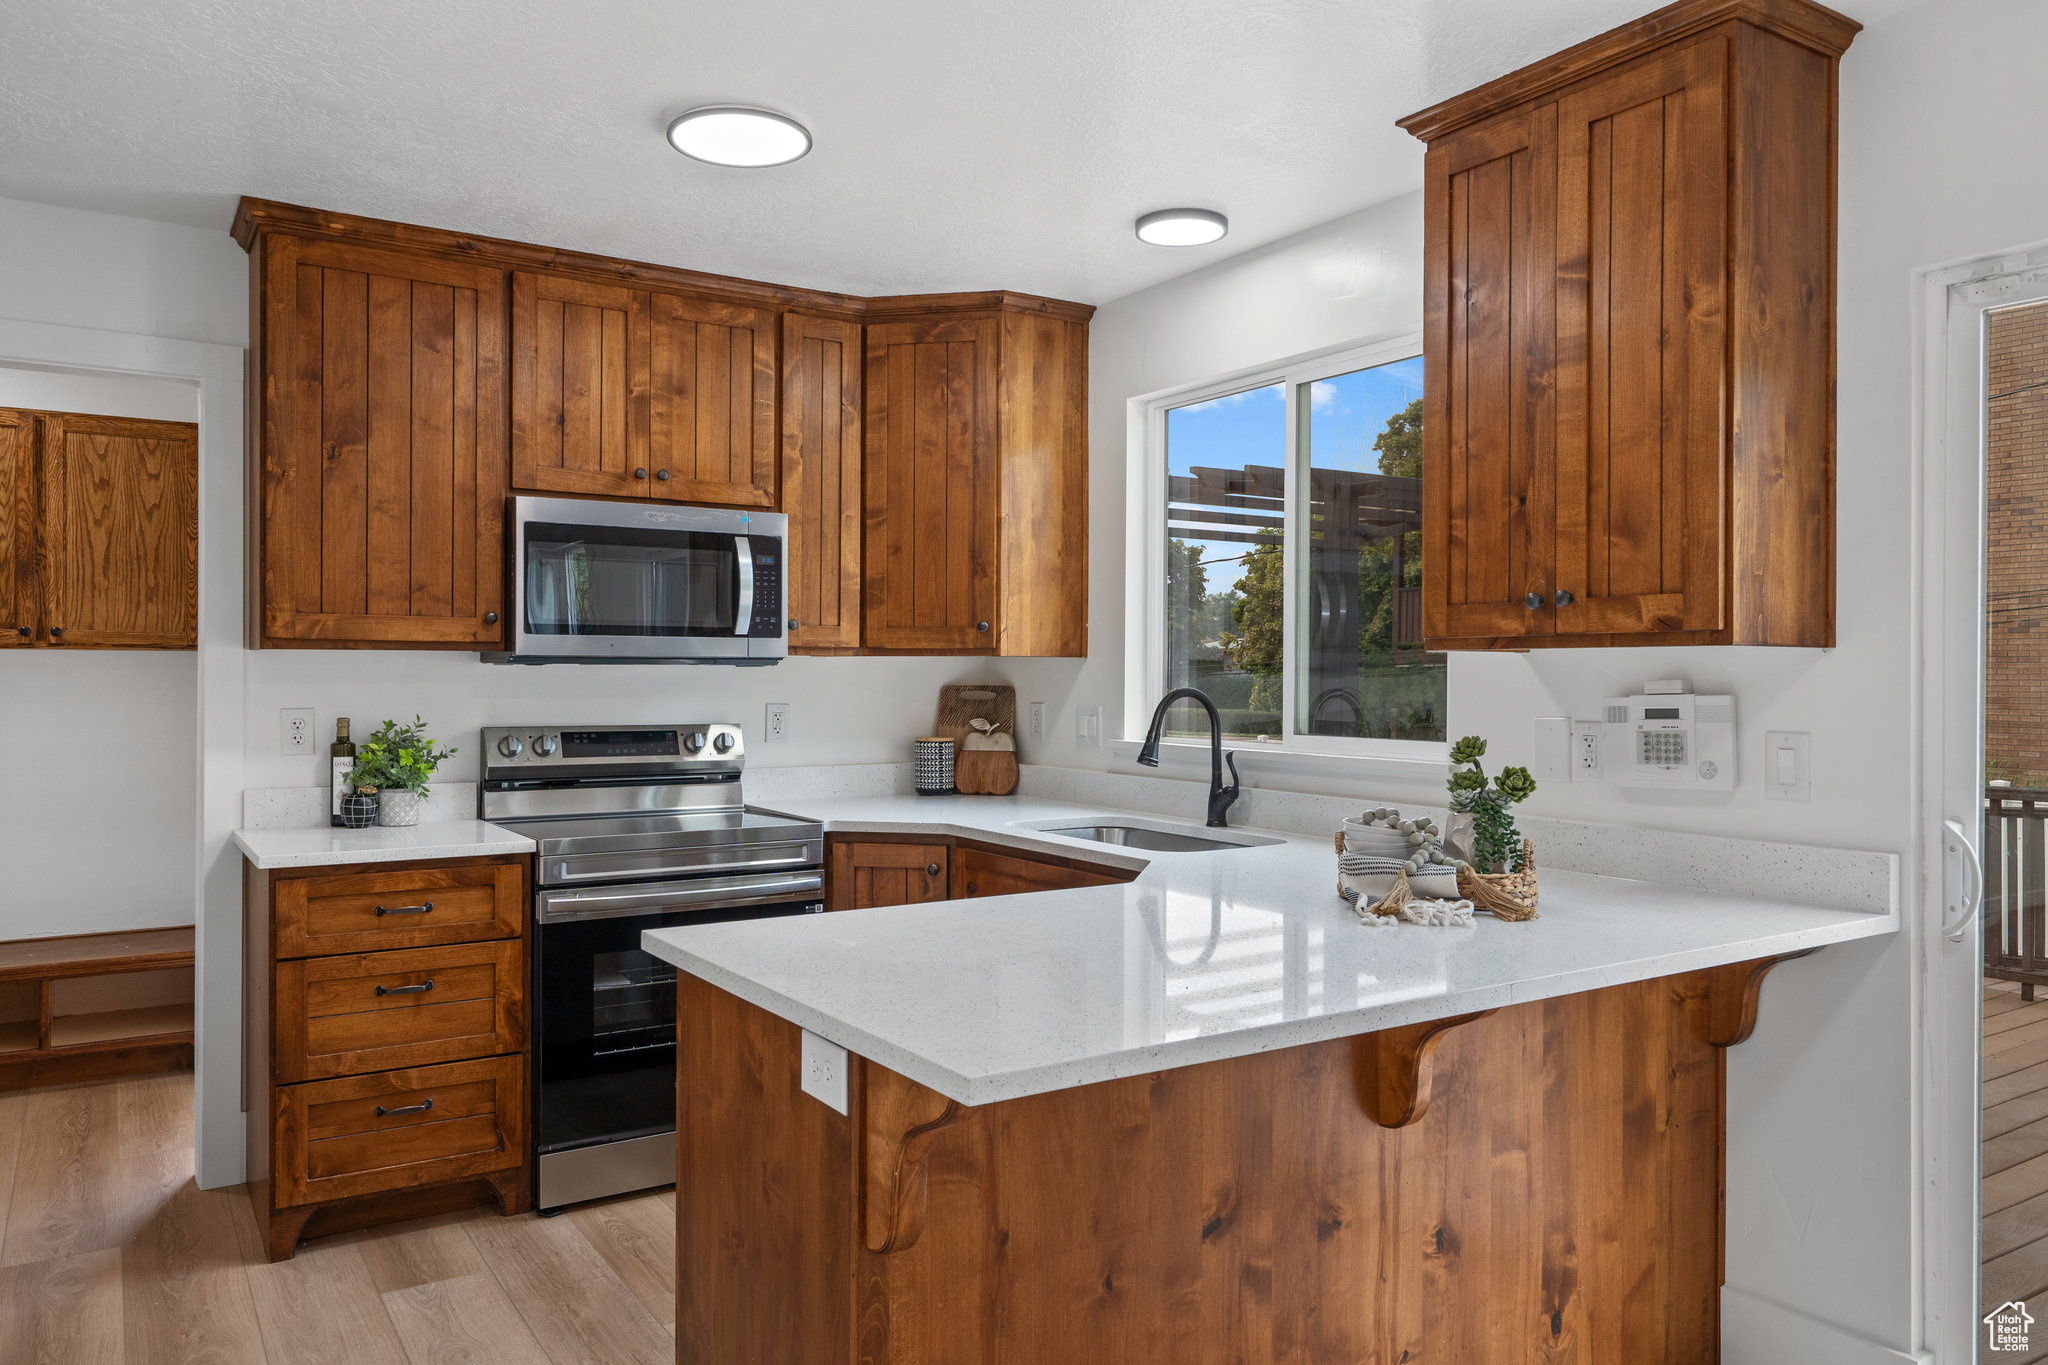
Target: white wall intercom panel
{"points": [[1665, 736]]}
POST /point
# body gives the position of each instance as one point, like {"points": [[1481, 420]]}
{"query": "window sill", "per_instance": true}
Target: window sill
{"points": [[1181, 757]]}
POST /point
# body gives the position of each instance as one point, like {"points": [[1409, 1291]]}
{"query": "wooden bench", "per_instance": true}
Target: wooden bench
{"points": [[88, 1006]]}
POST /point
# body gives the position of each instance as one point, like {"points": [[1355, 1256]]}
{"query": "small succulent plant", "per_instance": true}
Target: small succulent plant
{"points": [[1496, 843]]}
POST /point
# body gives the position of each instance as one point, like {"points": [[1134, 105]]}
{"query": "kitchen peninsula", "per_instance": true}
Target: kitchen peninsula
{"points": [[1206, 1115]]}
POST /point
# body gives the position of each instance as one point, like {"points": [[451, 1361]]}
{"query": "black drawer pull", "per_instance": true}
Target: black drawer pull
{"points": [[384, 910], [426, 985], [384, 1113]]}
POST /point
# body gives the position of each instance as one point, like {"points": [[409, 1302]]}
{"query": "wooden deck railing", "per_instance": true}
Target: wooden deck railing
{"points": [[2016, 886]]}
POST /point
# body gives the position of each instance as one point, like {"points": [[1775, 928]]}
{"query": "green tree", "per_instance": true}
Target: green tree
{"points": [[1400, 451], [1256, 645], [1187, 584]]}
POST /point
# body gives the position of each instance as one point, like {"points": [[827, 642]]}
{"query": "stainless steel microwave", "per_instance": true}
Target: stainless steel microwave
{"points": [[623, 582]]}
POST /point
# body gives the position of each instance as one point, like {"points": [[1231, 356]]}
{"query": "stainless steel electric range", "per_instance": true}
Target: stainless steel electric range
{"points": [[641, 827]]}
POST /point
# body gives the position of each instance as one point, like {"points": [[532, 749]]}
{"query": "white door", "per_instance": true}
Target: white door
{"points": [[1950, 622]]}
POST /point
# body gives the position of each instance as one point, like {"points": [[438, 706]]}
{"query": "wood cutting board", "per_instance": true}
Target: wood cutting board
{"points": [[962, 702]]}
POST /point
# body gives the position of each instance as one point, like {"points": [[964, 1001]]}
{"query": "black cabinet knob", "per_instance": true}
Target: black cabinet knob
{"points": [[639, 473], [1533, 601], [981, 625], [23, 631], [661, 474], [56, 632], [931, 870], [1565, 598], [792, 623], [973, 889], [490, 618]]}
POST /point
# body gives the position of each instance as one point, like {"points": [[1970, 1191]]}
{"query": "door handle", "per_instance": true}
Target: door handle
{"points": [[1955, 919]]}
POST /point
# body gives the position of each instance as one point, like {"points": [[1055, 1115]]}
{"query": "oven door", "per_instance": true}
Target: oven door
{"points": [[605, 1025], [618, 581]]}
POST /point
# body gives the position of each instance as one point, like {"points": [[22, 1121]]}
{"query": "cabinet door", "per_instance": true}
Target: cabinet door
{"points": [[713, 407], [19, 614], [821, 488], [120, 532], [384, 456], [579, 386], [1642, 474], [862, 875], [978, 872], [1488, 433], [931, 485]]}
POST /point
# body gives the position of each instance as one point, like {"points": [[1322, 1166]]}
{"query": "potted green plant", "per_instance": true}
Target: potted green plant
{"points": [[395, 765], [1486, 832]]}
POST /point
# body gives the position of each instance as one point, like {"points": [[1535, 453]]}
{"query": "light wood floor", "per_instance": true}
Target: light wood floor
{"points": [[109, 1254]]}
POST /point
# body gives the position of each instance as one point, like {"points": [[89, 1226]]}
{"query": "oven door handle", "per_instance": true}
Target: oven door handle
{"points": [[709, 893]]}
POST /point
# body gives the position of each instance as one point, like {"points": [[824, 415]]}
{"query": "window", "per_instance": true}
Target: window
{"points": [[1285, 517]]}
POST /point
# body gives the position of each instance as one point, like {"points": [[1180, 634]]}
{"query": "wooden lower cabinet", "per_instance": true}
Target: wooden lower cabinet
{"points": [[862, 871], [389, 1083], [860, 874], [1561, 1198], [980, 871]]}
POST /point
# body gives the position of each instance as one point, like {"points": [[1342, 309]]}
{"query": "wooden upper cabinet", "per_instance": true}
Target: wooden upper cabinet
{"points": [[931, 485], [1489, 431], [1641, 334], [383, 446], [579, 386], [634, 393], [713, 436], [977, 515], [99, 532], [20, 615], [1629, 338], [821, 480], [120, 531]]}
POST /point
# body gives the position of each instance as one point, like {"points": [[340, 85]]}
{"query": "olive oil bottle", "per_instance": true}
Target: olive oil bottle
{"points": [[341, 758]]}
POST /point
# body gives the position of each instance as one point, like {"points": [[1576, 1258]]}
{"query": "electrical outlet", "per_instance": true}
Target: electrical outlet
{"points": [[824, 1071], [1553, 761], [1586, 751], [1088, 727], [776, 730], [296, 736], [1038, 720]]}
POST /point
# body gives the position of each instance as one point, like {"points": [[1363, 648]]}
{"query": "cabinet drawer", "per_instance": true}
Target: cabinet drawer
{"points": [[337, 1016], [397, 1129], [408, 907]]}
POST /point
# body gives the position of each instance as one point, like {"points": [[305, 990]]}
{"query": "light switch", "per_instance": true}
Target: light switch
{"points": [[1788, 771]]}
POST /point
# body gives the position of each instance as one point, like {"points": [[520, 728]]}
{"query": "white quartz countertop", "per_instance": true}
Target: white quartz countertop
{"points": [[1206, 955], [327, 846]]}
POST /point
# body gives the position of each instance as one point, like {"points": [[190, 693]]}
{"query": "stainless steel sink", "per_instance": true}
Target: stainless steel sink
{"points": [[1136, 836]]}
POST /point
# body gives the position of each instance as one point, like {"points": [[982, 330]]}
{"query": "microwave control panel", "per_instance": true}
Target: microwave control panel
{"points": [[767, 556]]}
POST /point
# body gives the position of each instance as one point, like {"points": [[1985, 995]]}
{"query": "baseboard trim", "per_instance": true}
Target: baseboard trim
{"points": [[1755, 1331]]}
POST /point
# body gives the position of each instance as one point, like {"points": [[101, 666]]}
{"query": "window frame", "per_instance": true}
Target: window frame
{"points": [[1145, 680]]}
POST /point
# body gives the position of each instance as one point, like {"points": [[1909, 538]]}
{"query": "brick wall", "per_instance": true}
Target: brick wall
{"points": [[2016, 673]]}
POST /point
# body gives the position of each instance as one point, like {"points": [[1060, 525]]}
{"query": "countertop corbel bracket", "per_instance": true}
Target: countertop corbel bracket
{"points": [[1393, 1068], [900, 1119], [1724, 1008]]}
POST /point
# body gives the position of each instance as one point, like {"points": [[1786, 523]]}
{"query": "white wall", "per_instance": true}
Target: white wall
{"points": [[89, 731]]}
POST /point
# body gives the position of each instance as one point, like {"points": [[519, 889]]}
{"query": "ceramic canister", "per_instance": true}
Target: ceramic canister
{"points": [[932, 769]]}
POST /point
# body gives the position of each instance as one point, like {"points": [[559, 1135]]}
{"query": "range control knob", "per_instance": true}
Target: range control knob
{"points": [[510, 746], [723, 743], [544, 745], [694, 741]]}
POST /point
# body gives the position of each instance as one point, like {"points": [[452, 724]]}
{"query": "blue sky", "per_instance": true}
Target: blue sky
{"points": [[1250, 428]]}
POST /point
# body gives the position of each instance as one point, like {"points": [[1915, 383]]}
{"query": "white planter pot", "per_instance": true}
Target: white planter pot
{"points": [[398, 808]]}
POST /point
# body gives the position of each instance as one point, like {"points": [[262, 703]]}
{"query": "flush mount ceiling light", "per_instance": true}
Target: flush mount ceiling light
{"points": [[736, 135], [1182, 227]]}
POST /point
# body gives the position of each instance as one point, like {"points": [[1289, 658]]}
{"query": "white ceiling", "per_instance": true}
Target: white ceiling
{"points": [[960, 144]]}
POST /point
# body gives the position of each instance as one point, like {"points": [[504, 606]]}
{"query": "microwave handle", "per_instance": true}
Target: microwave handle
{"points": [[743, 613]]}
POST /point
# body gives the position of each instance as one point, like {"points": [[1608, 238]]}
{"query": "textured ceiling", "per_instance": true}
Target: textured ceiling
{"points": [[960, 144]]}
